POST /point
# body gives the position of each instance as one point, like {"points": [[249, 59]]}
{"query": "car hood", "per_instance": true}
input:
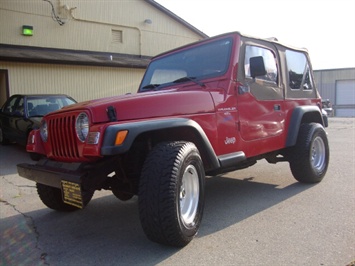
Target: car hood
{"points": [[147, 105], [36, 121]]}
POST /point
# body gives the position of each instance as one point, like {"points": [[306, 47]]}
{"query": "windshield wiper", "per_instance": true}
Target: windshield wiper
{"points": [[193, 79], [150, 87]]}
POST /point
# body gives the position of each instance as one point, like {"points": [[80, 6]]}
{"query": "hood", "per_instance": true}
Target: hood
{"points": [[148, 105], [36, 121]]}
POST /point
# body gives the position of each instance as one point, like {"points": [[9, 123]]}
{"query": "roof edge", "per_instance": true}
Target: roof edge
{"points": [[177, 18], [31, 54], [334, 69]]}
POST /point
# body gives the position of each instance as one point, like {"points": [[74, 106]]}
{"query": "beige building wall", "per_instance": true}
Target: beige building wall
{"points": [[99, 26], [81, 82], [116, 26]]}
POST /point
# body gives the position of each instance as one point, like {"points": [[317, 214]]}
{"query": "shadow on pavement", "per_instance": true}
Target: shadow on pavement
{"points": [[230, 200], [108, 231]]}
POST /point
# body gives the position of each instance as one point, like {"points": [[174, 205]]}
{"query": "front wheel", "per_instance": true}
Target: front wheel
{"points": [[171, 193], [35, 156], [52, 198], [309, 159], [122, 195]]}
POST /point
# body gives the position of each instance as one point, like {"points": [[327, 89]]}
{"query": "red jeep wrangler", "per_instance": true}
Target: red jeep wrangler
{"points": [[207, 108]]}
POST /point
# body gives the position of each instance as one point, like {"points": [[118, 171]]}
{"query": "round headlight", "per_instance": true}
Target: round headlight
{"points": [[44, 130], [82, 126]]}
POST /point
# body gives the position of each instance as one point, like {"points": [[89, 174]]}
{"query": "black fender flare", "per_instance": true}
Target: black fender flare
{"points": [[140, 127], [297, 118]]}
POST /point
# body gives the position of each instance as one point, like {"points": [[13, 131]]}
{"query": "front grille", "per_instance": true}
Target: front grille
{"points": [[62, 137]]}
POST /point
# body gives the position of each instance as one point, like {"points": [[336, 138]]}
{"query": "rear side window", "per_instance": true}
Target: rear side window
{"points": [[298, 71]]}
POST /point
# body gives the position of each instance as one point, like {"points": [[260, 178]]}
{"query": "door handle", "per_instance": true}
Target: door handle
{"points": [[277, 107]]}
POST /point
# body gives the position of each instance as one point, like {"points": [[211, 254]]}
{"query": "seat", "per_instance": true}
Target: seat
{"points": [[53, 107]]}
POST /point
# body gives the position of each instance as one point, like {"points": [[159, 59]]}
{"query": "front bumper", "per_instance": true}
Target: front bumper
{"points": [[52, 173]]}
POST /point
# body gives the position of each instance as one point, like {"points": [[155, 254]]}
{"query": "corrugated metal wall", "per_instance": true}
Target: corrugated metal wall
{"points": [[80, 82], [326, 81]]}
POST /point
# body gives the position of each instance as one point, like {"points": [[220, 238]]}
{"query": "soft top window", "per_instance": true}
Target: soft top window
{"points": [[298, 71], [269, 61]]}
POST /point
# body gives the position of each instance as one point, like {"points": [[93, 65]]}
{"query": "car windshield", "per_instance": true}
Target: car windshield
{"points": [[41, 105], [204, 61]]}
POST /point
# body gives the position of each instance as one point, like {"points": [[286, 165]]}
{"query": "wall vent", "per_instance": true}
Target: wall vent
{"points": [[117, 36]]}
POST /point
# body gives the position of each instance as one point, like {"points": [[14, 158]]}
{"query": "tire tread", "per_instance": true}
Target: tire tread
{"points": [[157, 194]]}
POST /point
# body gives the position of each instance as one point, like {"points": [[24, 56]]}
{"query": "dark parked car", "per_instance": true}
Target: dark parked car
{"points": [[22, 113]]}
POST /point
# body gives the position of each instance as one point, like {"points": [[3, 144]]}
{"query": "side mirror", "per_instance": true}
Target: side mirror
{"points": [[257, 66], [18, 113]]}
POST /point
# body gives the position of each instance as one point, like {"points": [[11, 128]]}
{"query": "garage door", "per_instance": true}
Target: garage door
{"points": [[345, 98]]}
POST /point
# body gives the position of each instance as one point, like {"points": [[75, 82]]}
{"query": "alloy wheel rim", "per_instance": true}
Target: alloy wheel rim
{"points": [[189, 195], [318, 154]]}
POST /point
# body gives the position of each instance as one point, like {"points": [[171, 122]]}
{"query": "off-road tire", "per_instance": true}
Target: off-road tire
{"points": [[309, 159], [121, 195], [52, 198], [171, 193], [35, 156]]}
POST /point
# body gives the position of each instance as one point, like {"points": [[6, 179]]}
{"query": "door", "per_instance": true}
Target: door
{"points": [[345, 98], [4, 86], [13, 121], [260, 99], [7, 117]]}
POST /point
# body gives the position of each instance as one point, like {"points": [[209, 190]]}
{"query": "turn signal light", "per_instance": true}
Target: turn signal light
{"points": [[120, 137]]}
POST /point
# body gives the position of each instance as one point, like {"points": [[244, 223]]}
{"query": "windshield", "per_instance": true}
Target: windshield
{"points": [[41, 105], [204, 61]]}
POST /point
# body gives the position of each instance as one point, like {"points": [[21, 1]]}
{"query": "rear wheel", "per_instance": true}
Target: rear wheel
{"points": [[171, 193], [52, 198], [309, 159]]}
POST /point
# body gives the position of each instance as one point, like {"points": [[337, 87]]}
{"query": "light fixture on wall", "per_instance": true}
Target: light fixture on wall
{"points": [[27, 30], [148, 21]]}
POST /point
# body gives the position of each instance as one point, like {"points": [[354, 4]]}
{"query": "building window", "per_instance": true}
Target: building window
{"points": [[117, 36]]}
